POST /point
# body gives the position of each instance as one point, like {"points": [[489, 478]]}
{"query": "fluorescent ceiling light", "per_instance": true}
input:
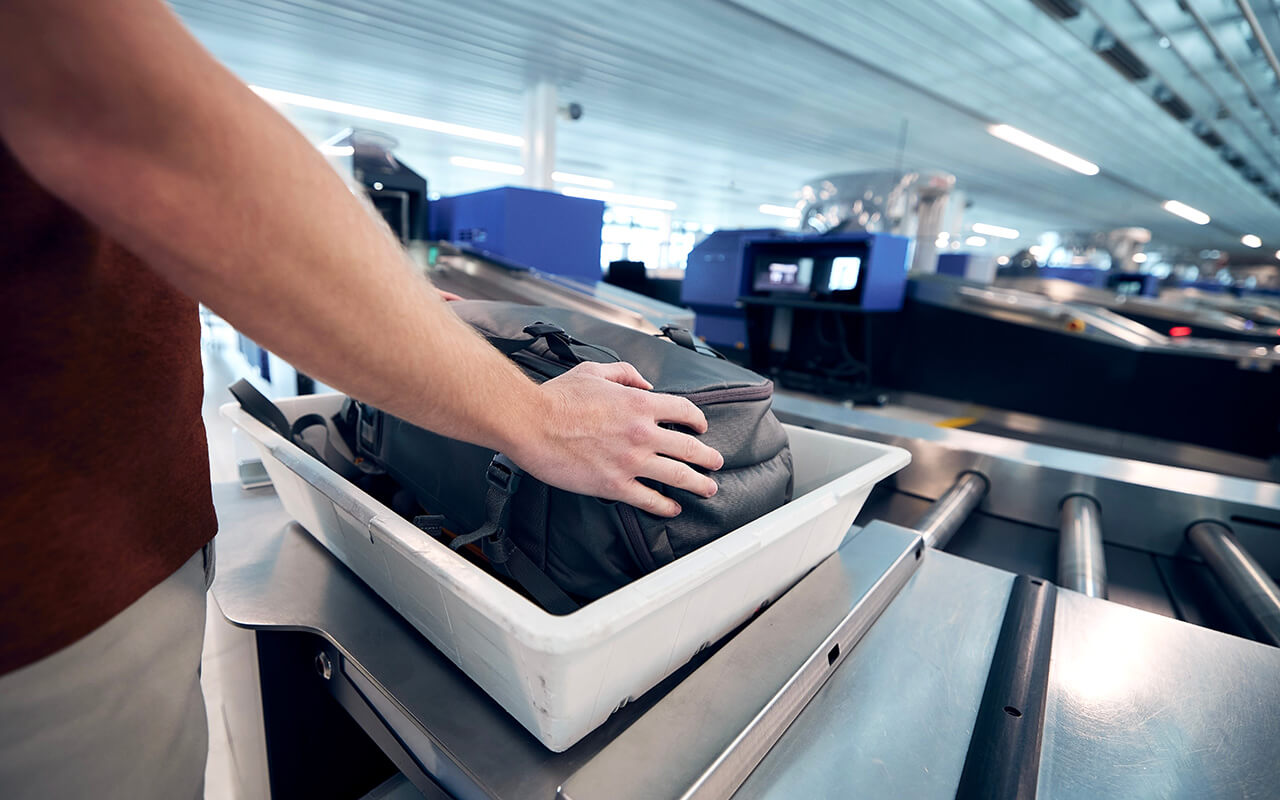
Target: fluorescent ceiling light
{"points": [[1186, 212], [1139, 258], [995, 230], [976, 241], [620, 199], [486, 166], [1249, 240], [336, 149], [1043, 149], [581, 180], [791, 212], [1002, 260], [391, 117]]}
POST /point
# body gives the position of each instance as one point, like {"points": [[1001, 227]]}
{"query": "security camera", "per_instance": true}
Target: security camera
{"points": [[572, 112]]}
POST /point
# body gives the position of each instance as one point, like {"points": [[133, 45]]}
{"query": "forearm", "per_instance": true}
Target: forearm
{"points": [[173, 157]]}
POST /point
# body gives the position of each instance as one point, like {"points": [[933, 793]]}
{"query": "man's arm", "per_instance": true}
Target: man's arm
{"points": [[115, 108]]}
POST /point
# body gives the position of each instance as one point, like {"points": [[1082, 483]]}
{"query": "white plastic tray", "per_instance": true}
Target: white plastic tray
{"points": [[561, 677]]}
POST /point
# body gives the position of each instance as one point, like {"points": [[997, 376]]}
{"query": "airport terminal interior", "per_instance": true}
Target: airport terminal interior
{"points": [[1006, 273]]}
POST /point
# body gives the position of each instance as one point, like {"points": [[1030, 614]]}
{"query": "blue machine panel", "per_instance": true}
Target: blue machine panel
{"points": [[1136, 283], [730, 269], [954, 264], [1086, 276], [544, 230]]}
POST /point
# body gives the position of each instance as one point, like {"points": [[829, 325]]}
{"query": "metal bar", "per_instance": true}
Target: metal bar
{"points": [[1082, 567], [709, 732], [1243, 578], [945, 516], [1004, 751], [1261, 37], [1228, 62]]}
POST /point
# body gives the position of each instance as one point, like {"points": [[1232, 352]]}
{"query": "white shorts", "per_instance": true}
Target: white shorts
{"points": [[119, 713]]}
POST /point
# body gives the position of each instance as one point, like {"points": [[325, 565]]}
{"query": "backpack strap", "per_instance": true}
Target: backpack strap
{"points": [[256, 405], [685, 339], [559, 342], [503, 477]]}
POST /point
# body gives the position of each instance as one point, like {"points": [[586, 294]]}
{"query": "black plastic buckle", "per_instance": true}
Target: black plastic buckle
{"points": [[503, 474], [539, 329]]}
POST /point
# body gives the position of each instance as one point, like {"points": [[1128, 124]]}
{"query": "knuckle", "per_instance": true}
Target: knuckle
{"points": [[618, 483], [637, 431]]}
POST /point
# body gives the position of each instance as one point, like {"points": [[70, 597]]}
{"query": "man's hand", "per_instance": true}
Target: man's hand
{"points": [[599, 430]]}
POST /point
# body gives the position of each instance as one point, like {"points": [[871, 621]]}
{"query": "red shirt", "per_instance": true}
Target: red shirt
{"points": [[104, 475]]}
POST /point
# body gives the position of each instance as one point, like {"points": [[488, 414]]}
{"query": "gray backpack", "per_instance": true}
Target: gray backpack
{"points": [[564, 548]]}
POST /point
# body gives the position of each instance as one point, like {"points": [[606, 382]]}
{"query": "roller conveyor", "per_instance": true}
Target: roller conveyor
{"points": [[1082, 564]]}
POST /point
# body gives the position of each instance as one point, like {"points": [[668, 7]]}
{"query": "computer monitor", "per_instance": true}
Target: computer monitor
{"points": [[783, 274]]}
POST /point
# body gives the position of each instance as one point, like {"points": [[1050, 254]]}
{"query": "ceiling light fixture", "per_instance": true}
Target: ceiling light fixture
{"points": [[995, 230], [976, 241], [1249, 240], [581, 180], [614, 198], [1186, 212], [486, 166], [1043, 149], [1139, 258], [336, 149], [391, 117], [790, 212], [1002, 260]]}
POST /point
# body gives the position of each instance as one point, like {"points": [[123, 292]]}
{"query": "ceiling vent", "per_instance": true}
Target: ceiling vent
{"points": [[1207, 135], [1177, 108], [1118, 55], [1062, 9]]}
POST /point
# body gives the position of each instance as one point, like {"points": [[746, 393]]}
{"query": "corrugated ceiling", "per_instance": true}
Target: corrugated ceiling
{"points": [[720, 105]]}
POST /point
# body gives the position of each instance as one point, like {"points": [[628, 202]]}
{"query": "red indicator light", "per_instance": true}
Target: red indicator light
{"points": [[1180, 330]]}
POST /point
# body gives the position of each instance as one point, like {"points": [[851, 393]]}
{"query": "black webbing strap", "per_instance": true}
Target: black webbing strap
{"points": [[503, 478], [256, 405], [685, 339], [560, 343]]}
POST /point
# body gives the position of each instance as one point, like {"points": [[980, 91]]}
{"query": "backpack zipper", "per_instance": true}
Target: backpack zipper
{"points": [[635, 539], [735, 394]]}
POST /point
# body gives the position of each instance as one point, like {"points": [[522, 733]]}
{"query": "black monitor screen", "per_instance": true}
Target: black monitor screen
{"points": [[783, 274], [844, 273]]}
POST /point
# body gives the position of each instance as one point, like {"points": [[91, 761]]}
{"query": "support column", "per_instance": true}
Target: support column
{"points": [[541, 105]]}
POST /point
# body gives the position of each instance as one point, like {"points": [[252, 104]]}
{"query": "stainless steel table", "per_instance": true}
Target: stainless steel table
{"points": [[1137, 705]]}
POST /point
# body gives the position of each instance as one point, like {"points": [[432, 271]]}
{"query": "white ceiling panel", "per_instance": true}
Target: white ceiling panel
{"points": [[720, 105]]}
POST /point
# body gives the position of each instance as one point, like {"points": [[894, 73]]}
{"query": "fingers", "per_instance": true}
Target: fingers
{"points": [[618, 372], [645, 499], [669, 408], [678, 475], [688, 449]]}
